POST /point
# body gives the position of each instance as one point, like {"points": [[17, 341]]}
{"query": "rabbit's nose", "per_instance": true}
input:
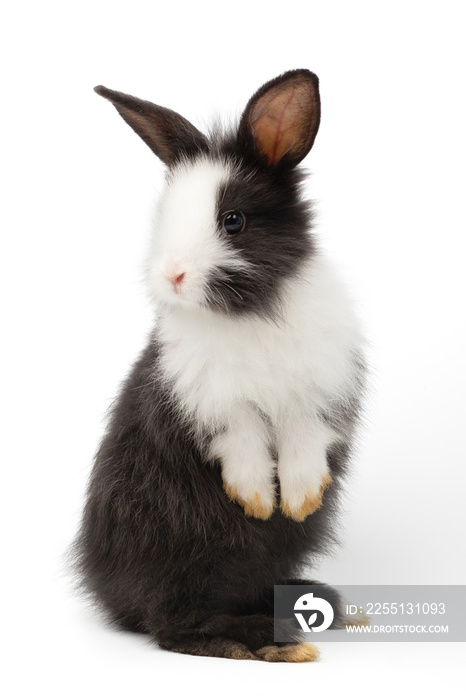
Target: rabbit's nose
{"points": [[176, 279]]}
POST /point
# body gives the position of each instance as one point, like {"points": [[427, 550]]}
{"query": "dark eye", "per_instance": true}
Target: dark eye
{"points": [[233, 222]]}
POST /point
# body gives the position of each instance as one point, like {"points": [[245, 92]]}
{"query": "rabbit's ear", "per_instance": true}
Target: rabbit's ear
{"points": [[282, 119], [168, 134]]}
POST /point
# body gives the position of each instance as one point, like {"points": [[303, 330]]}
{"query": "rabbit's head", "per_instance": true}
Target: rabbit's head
{"points": [[231, 225]]}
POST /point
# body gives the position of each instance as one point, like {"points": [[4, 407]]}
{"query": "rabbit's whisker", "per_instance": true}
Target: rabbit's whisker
{"points": [[232, 288]]}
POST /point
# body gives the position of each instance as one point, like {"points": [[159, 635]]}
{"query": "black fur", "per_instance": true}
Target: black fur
{"points": [[169, 135], [276, 240], [161, 548]]}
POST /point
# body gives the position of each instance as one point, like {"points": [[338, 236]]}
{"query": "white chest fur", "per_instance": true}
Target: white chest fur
{"points": [[224, 369], [216, 361]]}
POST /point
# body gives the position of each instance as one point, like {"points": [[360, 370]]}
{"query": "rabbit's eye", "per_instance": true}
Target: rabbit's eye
{"points": [[233, 222]]}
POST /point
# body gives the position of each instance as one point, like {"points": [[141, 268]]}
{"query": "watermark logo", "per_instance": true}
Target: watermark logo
{"points": [[380, 613], [310, 603]]}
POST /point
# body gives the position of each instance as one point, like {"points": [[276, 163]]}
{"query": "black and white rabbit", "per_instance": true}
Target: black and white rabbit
{"points": [[220, 468]]}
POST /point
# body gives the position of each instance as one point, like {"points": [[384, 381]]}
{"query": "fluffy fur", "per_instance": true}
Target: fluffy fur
{"points": [[219, 473]]}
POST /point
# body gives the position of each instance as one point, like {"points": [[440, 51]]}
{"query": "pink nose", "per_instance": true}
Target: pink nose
{"points": [[177, 279]]}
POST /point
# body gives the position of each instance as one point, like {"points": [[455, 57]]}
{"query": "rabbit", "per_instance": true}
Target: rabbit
{"points": [[219, 473]]}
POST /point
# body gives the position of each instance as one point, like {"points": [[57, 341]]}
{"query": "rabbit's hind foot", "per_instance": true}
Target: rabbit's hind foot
{"points": [[216, 647], [229, 649], [294, 653]]}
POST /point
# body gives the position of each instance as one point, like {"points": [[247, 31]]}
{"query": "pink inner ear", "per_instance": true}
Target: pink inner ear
{"points": [[280, 119]]}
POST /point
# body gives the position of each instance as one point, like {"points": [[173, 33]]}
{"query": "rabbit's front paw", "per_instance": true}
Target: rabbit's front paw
{"points": [[254, 504], [299, 504]]}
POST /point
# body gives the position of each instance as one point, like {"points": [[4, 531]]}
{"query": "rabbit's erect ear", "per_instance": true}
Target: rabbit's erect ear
{"points": [[282, 119], [168, 134]]}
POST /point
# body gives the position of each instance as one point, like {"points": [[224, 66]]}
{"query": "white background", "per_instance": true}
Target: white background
{"points": [[78, 189]]}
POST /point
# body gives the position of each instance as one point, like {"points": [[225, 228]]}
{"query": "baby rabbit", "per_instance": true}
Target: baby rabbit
{"points": [[219, 471]]}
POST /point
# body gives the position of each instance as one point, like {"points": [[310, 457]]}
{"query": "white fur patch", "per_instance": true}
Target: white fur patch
{"points": [[289, 372], [244, 450], [186, 241], [302, 441]]}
